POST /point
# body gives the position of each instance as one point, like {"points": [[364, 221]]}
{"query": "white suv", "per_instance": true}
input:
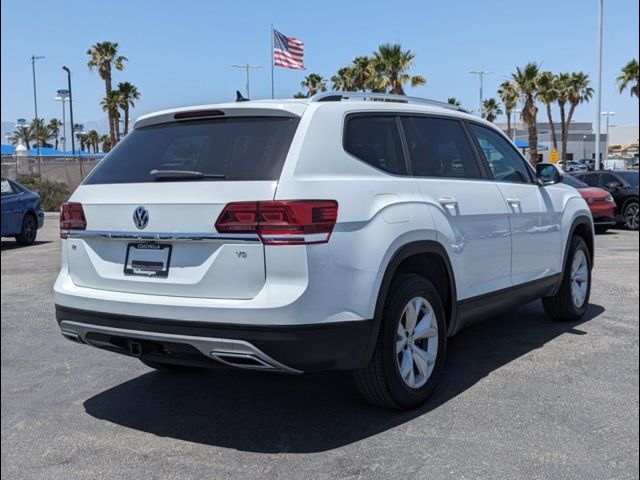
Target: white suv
{"points": [[341, 232]]}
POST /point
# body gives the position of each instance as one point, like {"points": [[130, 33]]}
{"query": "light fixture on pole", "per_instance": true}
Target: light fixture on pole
{"points": [[35, 98], [608, 115], [598, 162], [247, 67], [481, 73], [62, 96], [73, 142]]}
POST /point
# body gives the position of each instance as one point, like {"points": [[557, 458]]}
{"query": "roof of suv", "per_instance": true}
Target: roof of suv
{"points": [[297, 106]]}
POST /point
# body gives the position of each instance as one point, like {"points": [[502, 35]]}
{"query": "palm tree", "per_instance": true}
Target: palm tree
{"points": [[510, 97], [314, 83], [453, 101], [39, 129], [526, 80], [392, 64], [53, 130], [629, 76], [366, 75], [105, 140], [93, 139], [491, 109], [77, 130], [562, 91], [343, 80], [23, 134], [128, 93], [104, 56], [111, 103], [548, 93], [578, 91]]}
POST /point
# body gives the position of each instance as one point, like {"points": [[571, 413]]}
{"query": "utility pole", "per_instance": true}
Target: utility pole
{"points": [[35, 101], [481, 73], [247, 67], [598, 162]]}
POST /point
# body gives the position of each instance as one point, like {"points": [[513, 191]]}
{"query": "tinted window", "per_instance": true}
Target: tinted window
{"points": [[574, 182], [606, 178], [505, 162], [235, 148], [630, 177], [376, 141], [439, 148], [591, 179], [6, 187]]}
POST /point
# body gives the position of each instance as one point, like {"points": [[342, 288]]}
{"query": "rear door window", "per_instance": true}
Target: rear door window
{"points": [[231, 148], [439, 148], [591, 179], [375, 140]]}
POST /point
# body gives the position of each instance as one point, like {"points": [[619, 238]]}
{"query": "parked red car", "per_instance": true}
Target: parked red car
{"points": [[601, 203]]}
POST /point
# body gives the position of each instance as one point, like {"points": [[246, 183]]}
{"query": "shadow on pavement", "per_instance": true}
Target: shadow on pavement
{"points": [[9, 245], [271, 413]]}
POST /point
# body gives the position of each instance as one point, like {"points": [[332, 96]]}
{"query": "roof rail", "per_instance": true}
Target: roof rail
{"points": [[380, 97]]}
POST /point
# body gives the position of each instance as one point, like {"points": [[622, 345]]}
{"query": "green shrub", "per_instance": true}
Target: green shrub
{"points": [[52, 193]]}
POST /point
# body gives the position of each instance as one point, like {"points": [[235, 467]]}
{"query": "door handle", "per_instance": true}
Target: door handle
{"points": [[448, 202], [514, 202]]}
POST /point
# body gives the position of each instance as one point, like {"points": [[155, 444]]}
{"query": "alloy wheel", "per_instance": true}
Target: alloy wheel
{"points": [[579, 278], [631, 216]]}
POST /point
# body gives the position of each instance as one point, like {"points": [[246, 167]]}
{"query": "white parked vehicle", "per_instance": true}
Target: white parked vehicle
{"points": [[345, 231]]}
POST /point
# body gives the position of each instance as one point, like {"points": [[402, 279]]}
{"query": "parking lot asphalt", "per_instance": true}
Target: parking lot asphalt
{"points": [[522, 397]]}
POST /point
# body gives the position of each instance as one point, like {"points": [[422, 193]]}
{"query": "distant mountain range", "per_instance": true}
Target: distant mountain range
{"points": [[101, 126]]}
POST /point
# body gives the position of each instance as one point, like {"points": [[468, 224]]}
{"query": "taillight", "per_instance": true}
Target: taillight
{"points": [[71, 218], [286, 222]]}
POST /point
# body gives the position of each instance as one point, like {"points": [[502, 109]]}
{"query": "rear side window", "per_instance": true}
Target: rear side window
{"points": [[7, 189], [590, 179], [375, 140], [226, 148], [439, 148], [505, 162]]}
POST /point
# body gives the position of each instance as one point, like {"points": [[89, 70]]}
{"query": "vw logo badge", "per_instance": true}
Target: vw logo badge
{"points": [[140, 217]]}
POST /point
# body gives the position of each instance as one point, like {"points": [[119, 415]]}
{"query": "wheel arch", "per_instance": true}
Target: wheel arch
{"points": [[581, 226], [427, 258]]}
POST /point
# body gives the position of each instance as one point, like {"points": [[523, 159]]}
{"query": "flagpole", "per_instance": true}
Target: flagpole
{"points": [[272, 89]]}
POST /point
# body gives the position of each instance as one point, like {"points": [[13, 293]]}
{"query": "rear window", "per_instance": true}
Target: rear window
{"points": [[227, 148], [630, 177], [573, 182]]}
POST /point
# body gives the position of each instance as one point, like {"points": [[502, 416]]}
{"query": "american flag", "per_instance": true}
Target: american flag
{"points": [[288, 52]]}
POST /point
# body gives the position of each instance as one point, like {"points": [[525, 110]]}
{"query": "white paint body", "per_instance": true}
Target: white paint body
{"points": [[492, 244]]}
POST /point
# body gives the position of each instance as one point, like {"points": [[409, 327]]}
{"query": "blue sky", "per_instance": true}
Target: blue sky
{"points": [[180, 53]]}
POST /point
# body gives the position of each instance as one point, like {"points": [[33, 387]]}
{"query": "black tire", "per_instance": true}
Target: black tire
{"points": [[630, 215], [380, 382], [169, 367], [601, 229], [561, 306], [28, 231]]}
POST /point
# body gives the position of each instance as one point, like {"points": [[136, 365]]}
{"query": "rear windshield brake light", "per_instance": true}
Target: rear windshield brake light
{"points": [[198, 114]]}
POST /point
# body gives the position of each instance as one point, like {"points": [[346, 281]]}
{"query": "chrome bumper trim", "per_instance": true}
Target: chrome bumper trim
{"points": [[160, 236]]}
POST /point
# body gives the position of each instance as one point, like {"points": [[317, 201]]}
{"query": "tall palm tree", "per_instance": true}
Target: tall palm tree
{"points": [[491, 109], [366, 75], [23, 134], [526, 80], [453, 101], [393, 65], [53, 130], [106, 144], [578, 91], [629, 78], [314, 83], [39, 129], [510, 97], [93, 139], [111, 103], [128, 93], [548, 93], [562, 92], [343, 80], [104, 57]]}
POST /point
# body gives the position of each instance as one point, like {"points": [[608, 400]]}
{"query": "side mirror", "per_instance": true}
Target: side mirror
{"points": [[548, 174]]}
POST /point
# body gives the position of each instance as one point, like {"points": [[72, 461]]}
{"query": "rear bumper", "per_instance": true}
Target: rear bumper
{"points": [[309, 347]]}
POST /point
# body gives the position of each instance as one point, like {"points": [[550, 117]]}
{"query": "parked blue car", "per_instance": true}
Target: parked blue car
{"points": [[22, 213]]}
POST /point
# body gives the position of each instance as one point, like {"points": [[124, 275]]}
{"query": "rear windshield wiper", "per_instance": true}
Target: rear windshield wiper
{"points": [[169, 175]]}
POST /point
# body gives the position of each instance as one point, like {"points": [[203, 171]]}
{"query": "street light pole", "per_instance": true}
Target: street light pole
{"points": [[246, 67], [598, 162], [481, 74], [62, 96], [73, 142], [608, 115], [35, 99]]}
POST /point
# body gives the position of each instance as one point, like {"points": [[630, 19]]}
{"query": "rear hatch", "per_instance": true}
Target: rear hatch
{"points": [[150, 208]]}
